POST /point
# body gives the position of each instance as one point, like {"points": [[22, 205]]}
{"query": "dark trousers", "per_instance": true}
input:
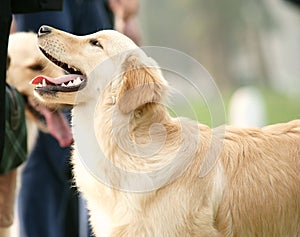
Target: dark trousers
{"points": [[47, 203]]}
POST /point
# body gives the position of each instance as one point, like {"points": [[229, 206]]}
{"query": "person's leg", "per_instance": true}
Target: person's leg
{"points": [[45, 190], [72, 214]]}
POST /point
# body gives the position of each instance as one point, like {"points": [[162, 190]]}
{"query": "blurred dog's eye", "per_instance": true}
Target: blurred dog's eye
{"points": [[96, 43], [36, 67]]}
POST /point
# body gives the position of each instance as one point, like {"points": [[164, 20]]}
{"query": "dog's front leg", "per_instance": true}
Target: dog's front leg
{"points": [[201, 224]]}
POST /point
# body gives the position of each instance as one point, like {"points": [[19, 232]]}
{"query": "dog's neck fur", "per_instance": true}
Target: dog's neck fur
{"points": [[162, 149], [141, 141]]}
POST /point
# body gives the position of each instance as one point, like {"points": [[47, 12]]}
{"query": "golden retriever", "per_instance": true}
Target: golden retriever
{"points": [[165, 176]]}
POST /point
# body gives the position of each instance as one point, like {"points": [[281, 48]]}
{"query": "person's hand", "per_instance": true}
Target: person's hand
{"points": [[124, 9], [125, 13]]}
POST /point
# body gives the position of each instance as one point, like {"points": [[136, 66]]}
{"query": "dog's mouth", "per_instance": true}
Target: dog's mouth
{"points": [[49, 121], [31, 108], [74, 81]]}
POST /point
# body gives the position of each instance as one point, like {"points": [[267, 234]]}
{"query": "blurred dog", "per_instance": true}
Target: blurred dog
{"points": [[164, 176], [26, 62]]}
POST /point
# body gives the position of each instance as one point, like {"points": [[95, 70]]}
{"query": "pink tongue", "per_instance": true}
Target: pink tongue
{"points": [[57, 81], [58, 126]]}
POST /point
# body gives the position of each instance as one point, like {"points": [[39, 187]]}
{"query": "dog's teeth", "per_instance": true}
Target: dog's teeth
{"points": [[44, 82], [63, 85], [69, 66], [74, 69], [70, 83], [77, 81], [39, 85]]}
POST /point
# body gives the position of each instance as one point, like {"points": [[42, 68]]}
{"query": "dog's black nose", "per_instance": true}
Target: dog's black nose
{"points": [[44, 30]]}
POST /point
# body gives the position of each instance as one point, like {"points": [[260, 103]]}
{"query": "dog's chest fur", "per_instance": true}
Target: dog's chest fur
{"points": [[130, 213]]}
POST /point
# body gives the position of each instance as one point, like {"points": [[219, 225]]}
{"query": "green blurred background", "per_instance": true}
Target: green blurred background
{"points": [[239, 42]]}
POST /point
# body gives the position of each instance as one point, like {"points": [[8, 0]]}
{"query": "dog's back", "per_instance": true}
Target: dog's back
{"points": [[262, 196]]}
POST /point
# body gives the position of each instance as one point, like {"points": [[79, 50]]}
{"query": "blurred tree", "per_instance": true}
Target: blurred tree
{"points": [[224, 36]]}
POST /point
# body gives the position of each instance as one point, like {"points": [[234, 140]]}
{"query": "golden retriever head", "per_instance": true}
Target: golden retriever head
{"points": [[25, 63], [137, 77]]}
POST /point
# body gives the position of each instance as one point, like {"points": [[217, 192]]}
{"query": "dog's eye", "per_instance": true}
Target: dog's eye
{"points": [[96, 43], [36, 67]]}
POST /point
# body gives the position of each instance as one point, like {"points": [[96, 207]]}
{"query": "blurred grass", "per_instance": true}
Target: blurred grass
{"points": [[279, 108]]}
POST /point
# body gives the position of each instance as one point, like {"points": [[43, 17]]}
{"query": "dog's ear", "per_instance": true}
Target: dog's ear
{"points": [[141, 83]]}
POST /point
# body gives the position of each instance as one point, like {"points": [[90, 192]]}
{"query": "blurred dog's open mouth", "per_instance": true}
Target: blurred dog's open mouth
{"points": [[72, 82], [52, 121], [31, 108]]}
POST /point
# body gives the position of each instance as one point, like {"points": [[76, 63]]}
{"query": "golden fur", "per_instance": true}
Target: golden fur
{"points": [[188, 179]]}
